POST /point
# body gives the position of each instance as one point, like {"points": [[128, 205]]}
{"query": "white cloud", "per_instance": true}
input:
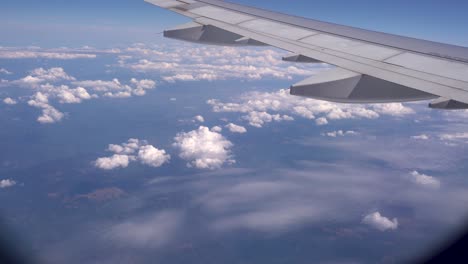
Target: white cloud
{"points": [[199, 119], [421, 137], [49, 113], [261, 107], [41, 75], [9, 101], [204, 149], [142, 85], [258, 119], [321, 121], [113, 162], [339, 133], [235, 128], [29, 54], [454, 137], [377, 221], [72, 96], [189, 63], [7, 183], [424, 180], [393, 109], [115, 89], [217, 129], [132, 150], [152, 156], [5, 71]]}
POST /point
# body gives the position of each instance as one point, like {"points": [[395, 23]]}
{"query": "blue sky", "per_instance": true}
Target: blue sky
{"points": [[144, 149], [101, 23]]}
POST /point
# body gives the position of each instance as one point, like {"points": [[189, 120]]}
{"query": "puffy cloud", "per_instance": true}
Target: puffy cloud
{"points": [[189, 63], [152, 156], [41, 75], [424, 180], [217, 129], [49, 113], [262, 107], [132, 150], [203, 148], [142, 85], [5, 71], [235, 128], [9, 101], [393, 109], [130, 147], [258, 119], [377, 221], [339, 133], [113, 162], [115, 89], [72, 96], [199, 119], [7, 183], [321, 121], [421, 137]]}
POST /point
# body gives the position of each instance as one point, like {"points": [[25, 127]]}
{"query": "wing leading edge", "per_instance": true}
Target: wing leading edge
{"points": [[372, 67]]}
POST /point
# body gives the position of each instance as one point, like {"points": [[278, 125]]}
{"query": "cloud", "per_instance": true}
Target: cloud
{"points": [[29, 54], [142, 85], [115, 89], [132, 150], [5, 71], [41, 75], [217, 129], [9, 101], [321, 121], [458, 137], [49, 113], [7, 183], [190, 63], [258, 119], [152, 156], [113, 162], [377, 221], [393, 109], [235, 128], [263, 107], [339, 133], [199, 119], [151, 231], [72, 96], [204, 149], [421, 137], [43, 81], [424, 180]]}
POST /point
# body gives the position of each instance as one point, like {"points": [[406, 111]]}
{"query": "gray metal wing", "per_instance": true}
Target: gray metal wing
{"points": [[372, 67]]}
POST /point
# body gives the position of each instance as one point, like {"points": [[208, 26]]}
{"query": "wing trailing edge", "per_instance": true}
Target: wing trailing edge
{"points": [[344, 86]]}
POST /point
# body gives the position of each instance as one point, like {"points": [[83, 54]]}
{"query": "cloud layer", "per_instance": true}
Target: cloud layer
{"points": [[265, 107]]}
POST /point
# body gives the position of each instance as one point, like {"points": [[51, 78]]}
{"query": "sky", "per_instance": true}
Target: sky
{"points": [[120, 146], [104, 23]]}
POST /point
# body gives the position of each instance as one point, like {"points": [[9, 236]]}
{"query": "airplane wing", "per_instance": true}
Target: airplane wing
{"points": [[371, 67]]}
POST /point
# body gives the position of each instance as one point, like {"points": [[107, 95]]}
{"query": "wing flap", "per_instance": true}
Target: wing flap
{"points": [[344, 86]]}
